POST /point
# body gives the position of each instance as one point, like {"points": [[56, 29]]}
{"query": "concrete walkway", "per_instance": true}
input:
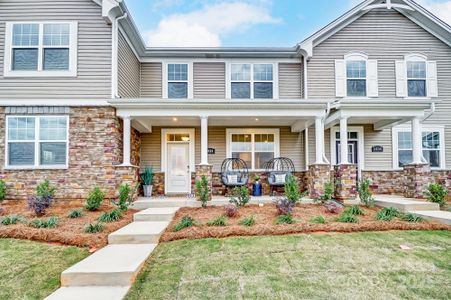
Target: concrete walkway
{"points": [[109, 273]]}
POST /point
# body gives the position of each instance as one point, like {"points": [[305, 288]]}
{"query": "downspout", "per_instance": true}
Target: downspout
{"points": [[431, 112], [114, 56]]}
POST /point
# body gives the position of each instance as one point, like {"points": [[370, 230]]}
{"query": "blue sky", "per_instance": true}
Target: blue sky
{"points": [[212, 23]]}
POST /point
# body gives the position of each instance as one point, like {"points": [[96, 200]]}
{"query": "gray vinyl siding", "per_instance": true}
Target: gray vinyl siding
{"points": [[209, 80], [290, 81], [151, 80], [129, 70], [94, 50], [384, 35]]}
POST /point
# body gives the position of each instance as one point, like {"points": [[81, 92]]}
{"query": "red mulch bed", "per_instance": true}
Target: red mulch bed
{"points": [[265, 223], [69, 231]]}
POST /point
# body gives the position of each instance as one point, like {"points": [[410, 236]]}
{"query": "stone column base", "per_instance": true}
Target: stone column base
{"points": [[345, 181], [127, 174], [204, 170], [417, 178], [317, 176]]}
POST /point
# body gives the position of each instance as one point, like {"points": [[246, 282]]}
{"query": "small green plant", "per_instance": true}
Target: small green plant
{"points": [[2, 191], [257, 178], [328, 193], [147, 176], [111, 216], [11, 219], [45, 190], [51, 222], [249, 221], [185, 222], [75, 213], [94, 227], [354, 210], [291, 190], [219, 221], [285, 219], [95, 199], [203, 191], [387, 214], [347, 218], [412, 218], [240, 196], [436, 193], [318, 220], [365, 195], [125, 196], [43, 198]]}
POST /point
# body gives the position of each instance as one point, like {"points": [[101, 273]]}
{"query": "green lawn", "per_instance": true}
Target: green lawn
{"points": [[322, 266], [31, 270]]}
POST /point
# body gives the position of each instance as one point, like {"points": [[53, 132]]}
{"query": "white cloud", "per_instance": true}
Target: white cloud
{"points": [[441, 9], [205, 27]]}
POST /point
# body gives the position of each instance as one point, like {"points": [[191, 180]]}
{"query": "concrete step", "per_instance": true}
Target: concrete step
{"points": [[145, 203], [405, 204], [138, 233], [155, 214], [113, 265], [89, 292], [437, 216]]}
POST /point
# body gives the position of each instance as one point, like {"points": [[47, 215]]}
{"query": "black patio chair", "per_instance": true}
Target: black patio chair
{"points": [[234, 173]]}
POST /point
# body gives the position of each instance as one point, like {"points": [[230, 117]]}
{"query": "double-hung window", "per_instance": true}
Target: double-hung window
{"points": [[254, 146], [251, 81], [177, 80], [37, 141], [356, 78], [416, 78], [41, 49]]}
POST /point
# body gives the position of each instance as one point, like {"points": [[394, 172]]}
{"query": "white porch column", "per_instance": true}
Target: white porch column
{"points": [[417, 141], [344, 141], [204, 140], [126, 141], [319, 140]]}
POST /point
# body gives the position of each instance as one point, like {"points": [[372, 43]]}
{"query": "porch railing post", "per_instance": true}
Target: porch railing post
{"points": [[204, 140]]}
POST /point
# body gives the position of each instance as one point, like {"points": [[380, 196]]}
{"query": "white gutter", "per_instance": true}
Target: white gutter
{"points": [[114, 56], [431, 112]]}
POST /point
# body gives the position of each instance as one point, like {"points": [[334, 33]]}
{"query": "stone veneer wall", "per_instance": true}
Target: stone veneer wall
{"points": [[95, 150], [385, 182]]}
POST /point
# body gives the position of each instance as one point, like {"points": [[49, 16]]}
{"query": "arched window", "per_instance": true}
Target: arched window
{"points": [[356, 75], [416, 75]]}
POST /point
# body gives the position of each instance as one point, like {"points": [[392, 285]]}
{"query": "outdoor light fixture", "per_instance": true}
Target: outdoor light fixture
{"points": [[185, 138], [174, 119]]}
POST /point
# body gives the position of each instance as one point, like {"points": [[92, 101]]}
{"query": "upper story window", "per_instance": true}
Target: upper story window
{"points": [[251, 81], [177, 80], [416, 77], [356, 78], [41, 49]]}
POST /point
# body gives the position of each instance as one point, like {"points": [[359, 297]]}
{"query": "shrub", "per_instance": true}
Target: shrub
{"points": [[365, 195], [354, 210], [111, 216], [219, 221], [51, 222], [75, 213], [95, 199], [43, 198], [292, 192], [185, 222], [436, 193], [318, 220], [285, 219], [387, 214], [347, 218], [94, 227], [230, 210], [125, 197], [249, 221], [11, 219], [203, 191], [147, 176], [412, 218], [328, 193], [333, 207], [2, 191], [284, 206], [240, 196]]}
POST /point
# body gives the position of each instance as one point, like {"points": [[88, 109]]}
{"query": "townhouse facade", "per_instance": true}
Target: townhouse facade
{"points": [[84, 103]]}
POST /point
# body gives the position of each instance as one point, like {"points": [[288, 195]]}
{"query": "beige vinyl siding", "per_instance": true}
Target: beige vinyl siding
{"points": [[290, 81], [129, 69], [151, 80], [94, 50], [209, 80], [384, 35]]}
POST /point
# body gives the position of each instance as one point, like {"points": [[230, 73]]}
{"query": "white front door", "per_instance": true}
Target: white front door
{"points": [[178, 172]]}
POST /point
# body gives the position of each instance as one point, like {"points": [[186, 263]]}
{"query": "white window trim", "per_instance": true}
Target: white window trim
{"points": [[406, 128], [37, 141], [360, 140], [356, 56], [416, 58], [73, 49], [274, 81], [252, 132], [165, 81]]}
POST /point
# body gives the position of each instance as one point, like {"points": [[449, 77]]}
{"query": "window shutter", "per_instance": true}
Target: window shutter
{"points": [[373, 89], [432, 86], [340, 78], [401, 84]]}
